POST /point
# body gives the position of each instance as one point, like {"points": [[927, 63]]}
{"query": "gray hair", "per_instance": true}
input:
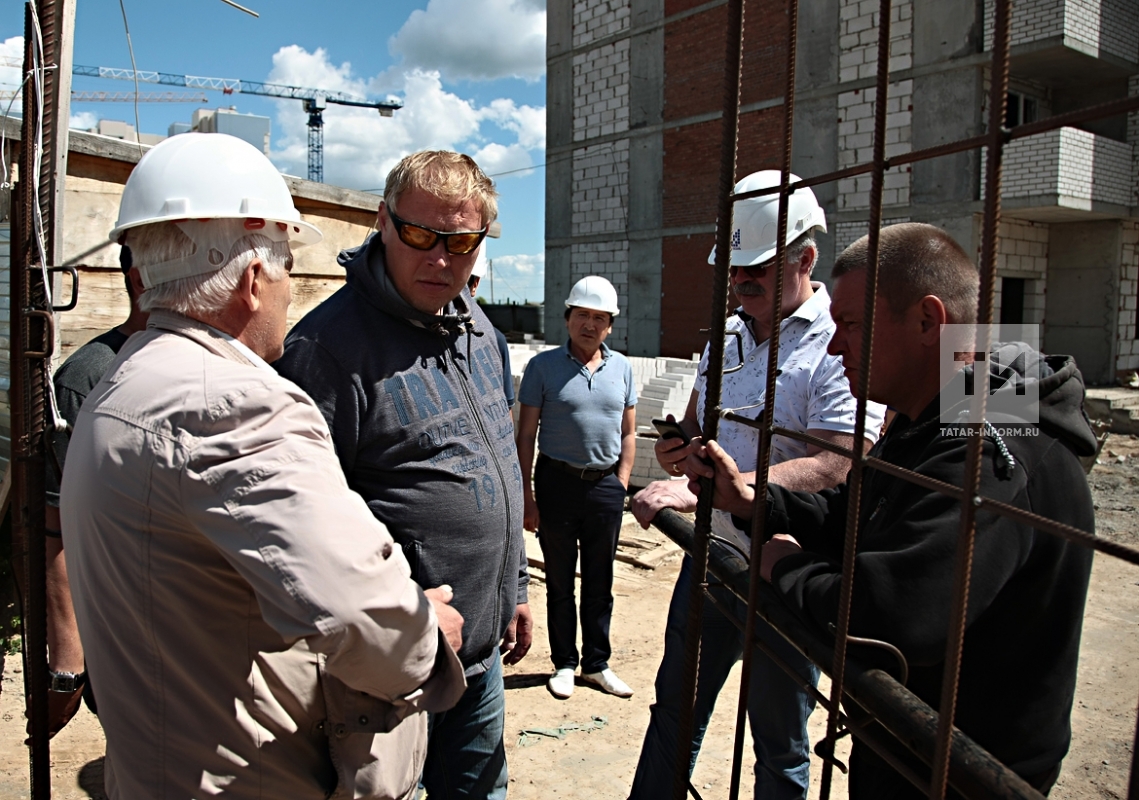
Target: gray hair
{"points": [[796, 249], [204, 294]]}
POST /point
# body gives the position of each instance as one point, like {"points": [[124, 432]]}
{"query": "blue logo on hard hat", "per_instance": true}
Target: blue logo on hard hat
{"points": [[736, 239]]}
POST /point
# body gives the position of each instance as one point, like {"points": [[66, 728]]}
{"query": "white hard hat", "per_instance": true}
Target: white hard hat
{"points": [[197, 177], [755, 222], [479, 270], [593, 292]]}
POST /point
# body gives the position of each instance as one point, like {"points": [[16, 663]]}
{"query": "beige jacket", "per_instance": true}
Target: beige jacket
{"points": [[250, 629]]}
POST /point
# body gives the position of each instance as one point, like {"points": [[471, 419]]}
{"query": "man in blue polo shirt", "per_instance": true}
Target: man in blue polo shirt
{"points": [[584, 395]]}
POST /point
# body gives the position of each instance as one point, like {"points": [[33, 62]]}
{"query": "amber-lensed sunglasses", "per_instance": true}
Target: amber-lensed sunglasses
{"points": [[457, 243]]}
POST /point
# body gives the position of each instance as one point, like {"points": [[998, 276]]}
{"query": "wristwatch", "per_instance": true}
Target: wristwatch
{"points": [[68, 682]]}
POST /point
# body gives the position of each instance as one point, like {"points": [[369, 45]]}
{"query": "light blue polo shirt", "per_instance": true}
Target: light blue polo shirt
{"points": [[580, 413]]}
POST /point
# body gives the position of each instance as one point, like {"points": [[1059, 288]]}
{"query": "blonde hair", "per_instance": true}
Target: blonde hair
{"points": [[209, 293], [452, 177]]}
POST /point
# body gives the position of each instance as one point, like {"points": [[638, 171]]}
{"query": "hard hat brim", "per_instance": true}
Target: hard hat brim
{"points": [[745, 258], [301, 233]]}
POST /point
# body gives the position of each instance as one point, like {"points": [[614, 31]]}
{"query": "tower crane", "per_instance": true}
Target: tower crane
{"points": [[314, 100]]}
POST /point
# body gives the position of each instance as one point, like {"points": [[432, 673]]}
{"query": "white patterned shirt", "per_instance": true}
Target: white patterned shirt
{"points": [[811, 392]]}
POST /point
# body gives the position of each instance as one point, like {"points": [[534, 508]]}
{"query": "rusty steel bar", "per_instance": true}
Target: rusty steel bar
{"points": [[909, 722], [963, 561], [1088, 114], [1072, 534], [850, 546], [31, 346], [763, 455], [729, 135]]}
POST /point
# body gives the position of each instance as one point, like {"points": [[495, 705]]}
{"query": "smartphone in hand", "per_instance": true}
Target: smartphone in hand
{"points": [[669, 429]]}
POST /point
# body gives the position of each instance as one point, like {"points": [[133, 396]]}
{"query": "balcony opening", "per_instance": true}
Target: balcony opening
{"points": [[1012, 301]]}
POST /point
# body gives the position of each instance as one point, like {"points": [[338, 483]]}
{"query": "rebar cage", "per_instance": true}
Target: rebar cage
{"points": [[911, 726]]}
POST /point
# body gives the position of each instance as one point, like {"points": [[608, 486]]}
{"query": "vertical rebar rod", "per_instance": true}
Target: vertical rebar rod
{"points": [[963, 562], [31, 345], [733, 62], [763, 457], [854, 494]]}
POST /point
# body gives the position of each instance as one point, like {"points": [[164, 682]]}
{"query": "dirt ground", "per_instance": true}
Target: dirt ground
{"points": [[602, 736]]}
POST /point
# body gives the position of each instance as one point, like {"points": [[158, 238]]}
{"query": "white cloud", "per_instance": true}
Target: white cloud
{"points": [[517, 277], [361, 147], [83, 121], [475, 39]]}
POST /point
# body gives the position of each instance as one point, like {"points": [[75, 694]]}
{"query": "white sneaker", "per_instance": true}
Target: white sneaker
{"points": [[561, 683], [608, 681]]}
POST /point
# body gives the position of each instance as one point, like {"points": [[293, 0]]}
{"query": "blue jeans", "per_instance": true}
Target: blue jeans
{"points": [[465, 754], [777, 707], [574, 511]]}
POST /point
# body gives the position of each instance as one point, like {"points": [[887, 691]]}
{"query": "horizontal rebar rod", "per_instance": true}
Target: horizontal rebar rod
{"points": [[910, 722]]}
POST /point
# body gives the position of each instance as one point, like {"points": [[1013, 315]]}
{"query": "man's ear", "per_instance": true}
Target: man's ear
{"points": [[136, 281], [382, 218], [931, 317], [807, 259], [252, 284]]}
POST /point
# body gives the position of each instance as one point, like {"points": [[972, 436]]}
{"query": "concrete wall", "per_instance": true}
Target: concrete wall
{"points": [[1081, 312]]}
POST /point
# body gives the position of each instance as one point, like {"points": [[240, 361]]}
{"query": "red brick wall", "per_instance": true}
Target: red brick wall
{"points": [[694, 84]]}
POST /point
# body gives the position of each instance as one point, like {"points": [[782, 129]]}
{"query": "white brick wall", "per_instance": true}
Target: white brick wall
{"points": [[858, 56], [600, 188], [1127, 356], [1133, 131], [1076, 165], [595, 19], [601, 91], [1022, 252], [847, 233], [1110, 26]]}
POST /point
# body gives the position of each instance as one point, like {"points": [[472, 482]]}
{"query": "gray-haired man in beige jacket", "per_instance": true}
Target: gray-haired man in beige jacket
{"points": [[250, 629]]}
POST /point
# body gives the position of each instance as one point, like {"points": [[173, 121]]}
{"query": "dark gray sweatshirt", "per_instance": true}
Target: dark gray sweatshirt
{"points": [[417, 412]]}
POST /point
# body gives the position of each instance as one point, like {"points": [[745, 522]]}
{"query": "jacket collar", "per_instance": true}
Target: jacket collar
{"points": [[207, 336]]}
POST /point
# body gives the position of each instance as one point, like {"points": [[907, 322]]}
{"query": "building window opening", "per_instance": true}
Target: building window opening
{"points": [[1019, 110], [1012, 301]]}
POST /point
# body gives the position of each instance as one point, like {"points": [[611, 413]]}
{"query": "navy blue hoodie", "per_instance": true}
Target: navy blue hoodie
{"points": [[417, 412]]}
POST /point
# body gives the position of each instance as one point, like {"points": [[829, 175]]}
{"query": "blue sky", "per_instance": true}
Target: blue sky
{"points": [[471, 75]]}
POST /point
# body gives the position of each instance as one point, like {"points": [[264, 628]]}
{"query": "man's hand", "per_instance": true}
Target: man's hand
{"points": [[672, 452], [779, 546], [450, 620], [61, 707], [731, 491], [519, 635], [529, 513], [648, 502]]}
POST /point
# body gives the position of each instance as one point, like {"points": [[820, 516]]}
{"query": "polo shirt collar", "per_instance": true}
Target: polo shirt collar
{"points": [[605, 352]]}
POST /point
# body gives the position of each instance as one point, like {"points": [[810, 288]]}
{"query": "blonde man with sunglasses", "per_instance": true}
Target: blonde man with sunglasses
{"points": [[406, 370]]}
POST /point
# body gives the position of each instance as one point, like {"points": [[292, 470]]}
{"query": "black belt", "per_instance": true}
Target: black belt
{"points": [[586, 474]]}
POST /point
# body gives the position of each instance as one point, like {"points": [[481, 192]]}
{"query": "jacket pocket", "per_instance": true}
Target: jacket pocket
{"points": [[412, 551]]}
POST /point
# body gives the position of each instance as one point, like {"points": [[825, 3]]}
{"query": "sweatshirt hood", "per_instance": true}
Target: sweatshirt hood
{"points": [[368, 276], [1056, 378]]}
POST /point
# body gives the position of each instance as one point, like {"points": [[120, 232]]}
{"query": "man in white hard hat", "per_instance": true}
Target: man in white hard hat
{"points": [[405, 369], [251, 630], [584, 396], [812, 396]]}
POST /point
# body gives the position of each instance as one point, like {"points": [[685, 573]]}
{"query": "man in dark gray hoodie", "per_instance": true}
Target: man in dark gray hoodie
{"points": [[407, 371], [1027, 588]]}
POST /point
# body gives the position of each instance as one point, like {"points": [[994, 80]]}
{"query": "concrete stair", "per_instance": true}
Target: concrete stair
{"points": [[1118, 407]]}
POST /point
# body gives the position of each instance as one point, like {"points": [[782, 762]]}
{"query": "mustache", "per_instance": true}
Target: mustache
{"points": [[748, 289]]}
